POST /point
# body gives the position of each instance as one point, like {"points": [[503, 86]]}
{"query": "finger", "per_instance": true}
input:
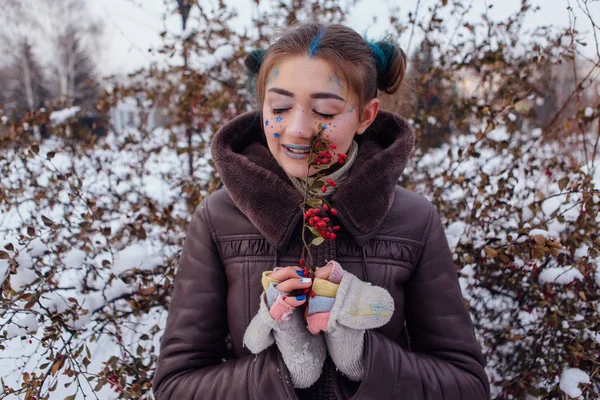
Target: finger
{"points": [[287, 273], [293, 284], [324, 272], [294, 301]]}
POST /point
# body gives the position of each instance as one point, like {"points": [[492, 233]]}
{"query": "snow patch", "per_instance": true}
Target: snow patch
{"points": [[74, 258], [22, 278], [560, 275], [37, 248], [135, 256], [535, 232], [498, 135], [570, 380], [453, 233], [61, 116], [3, 271]]}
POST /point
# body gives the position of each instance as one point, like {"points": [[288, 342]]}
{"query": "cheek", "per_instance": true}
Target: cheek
{"points": [[272, 124], [342, 129]]}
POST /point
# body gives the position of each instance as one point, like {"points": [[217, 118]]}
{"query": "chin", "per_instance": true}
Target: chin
{"points": [[298, 170]]}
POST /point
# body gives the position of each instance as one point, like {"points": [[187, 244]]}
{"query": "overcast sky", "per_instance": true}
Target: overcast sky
{"points": [[132, 26]]}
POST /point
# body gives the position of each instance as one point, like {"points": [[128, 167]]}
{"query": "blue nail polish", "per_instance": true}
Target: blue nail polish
{"points": [[300, 273], [301, 297]]}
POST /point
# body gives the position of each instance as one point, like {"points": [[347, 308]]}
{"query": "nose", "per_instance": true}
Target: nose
{"points": [[301, 124]]}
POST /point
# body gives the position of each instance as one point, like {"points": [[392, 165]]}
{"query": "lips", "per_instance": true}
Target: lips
{"points": [[296, 153]]}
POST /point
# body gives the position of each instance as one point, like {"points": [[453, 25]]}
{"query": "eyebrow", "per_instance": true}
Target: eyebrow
{"points": [[320, 95]]}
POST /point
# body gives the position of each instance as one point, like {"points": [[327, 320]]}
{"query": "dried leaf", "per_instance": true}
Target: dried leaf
{"points": [[147, 291], [56, 366], [47, 221], [491, 252], [30, 304], [4, 255], [562, 183]]}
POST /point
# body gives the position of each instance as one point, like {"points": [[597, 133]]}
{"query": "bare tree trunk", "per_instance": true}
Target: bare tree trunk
{"points": [[27, 82], [184, 10]]}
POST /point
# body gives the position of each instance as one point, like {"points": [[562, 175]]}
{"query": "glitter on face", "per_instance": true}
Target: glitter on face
{"points": [[278, 119], [276, 135], [337, 81], [273, 75]]}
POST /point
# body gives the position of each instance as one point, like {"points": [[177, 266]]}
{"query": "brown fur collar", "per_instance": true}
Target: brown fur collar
{"points": [[262, 191]]}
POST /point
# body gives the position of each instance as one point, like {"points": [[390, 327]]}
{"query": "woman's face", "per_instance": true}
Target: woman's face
{"points": [[301, 95]]}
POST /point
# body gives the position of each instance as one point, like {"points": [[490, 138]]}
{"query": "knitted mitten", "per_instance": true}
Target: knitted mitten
{"points": [[303, 353], [358, 306]]}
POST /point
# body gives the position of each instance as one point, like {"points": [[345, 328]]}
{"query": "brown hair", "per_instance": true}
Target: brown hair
{"points": [[365, 67]]}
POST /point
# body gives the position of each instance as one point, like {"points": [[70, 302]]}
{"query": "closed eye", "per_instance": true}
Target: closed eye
{"points": [[326, 116], [279, 110]]}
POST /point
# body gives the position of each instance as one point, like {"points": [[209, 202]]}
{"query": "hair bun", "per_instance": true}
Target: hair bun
{"points": [[254, 60], [390, 60]]}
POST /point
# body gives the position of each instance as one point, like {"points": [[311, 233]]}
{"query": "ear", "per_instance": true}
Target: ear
{"points": [[368, 116]]}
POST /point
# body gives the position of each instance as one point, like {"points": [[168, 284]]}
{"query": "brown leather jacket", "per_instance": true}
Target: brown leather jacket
{"points": [[390, 237]]}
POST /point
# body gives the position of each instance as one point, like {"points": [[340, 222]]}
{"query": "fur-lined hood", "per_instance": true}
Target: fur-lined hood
{"points": [[262, 191]]}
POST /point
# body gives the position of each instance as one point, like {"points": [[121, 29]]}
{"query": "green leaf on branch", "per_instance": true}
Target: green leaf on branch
{"points": [[317, 184], [317, 241], [314, 202]]}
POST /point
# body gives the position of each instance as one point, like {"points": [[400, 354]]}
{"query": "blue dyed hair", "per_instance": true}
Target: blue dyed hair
{"points": [[316, 43], [380, 57]]}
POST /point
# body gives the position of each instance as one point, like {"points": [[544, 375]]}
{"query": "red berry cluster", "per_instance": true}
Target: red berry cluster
{"points": [[324, 158], [320, 224], [330, 182]]}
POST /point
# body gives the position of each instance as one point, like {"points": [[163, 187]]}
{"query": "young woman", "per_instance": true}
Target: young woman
{"points": [[385, 319]]}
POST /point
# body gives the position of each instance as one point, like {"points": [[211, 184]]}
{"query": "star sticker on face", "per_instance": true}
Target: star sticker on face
{"points": [[276, 135], [267, 123], [324, 126], [278, 119]]}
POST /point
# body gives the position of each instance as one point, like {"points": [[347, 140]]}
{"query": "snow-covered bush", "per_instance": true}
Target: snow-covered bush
{"points": [[91, 230]]}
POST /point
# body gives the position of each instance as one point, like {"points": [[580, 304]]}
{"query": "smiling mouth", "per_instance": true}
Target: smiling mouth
{"points": [[295, 153], [295, 149]]}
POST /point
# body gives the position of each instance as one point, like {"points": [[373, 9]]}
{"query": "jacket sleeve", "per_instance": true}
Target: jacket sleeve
{"points": [[445, 361], [191, 363]]}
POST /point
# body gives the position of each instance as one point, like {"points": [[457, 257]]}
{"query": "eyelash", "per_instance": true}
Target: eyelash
{"points": [[278, 111]]}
